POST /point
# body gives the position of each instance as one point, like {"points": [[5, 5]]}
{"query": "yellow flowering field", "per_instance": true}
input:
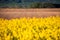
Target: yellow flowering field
{"points": [[47, 28]]}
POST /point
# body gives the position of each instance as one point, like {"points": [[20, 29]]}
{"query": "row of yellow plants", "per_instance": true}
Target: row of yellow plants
{"points": [[47, 28]]}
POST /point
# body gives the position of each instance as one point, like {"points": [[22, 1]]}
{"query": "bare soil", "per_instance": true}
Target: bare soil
{"points": [[10, 13]]}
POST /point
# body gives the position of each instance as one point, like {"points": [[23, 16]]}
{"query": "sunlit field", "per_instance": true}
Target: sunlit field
{"points": [[47, 28]]}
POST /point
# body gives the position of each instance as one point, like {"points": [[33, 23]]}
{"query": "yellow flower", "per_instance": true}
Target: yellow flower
{"points": [[30, 28]]}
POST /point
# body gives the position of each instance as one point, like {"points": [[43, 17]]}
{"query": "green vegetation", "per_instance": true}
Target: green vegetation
{"points": [[41, 5], [27, 5]]}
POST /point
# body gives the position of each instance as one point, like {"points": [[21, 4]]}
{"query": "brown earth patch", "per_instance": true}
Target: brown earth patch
{"points": [[17, 13]]}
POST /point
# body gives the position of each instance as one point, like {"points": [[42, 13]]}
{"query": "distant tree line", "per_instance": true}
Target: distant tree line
{"points": [[28, 5]]}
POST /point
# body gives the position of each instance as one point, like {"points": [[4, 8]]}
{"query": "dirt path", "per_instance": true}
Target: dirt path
{"points": [[17, 13]]}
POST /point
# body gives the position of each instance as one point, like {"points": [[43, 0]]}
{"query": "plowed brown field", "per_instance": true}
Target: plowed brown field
{"points": [[17, 13]]}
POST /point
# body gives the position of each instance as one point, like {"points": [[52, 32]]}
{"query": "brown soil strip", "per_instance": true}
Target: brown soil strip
{"points": [[17, 13]]}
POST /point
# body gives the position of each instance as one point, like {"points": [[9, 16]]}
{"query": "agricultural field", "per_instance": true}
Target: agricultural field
{"points": [[10, 13], [29, 24], [47, 28]]}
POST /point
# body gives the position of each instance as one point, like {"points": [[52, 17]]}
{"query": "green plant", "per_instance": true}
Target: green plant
{"points": [[41, 5]]}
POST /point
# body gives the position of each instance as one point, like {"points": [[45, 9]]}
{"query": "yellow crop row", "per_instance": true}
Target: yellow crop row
{"points": [[47, 28]]}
